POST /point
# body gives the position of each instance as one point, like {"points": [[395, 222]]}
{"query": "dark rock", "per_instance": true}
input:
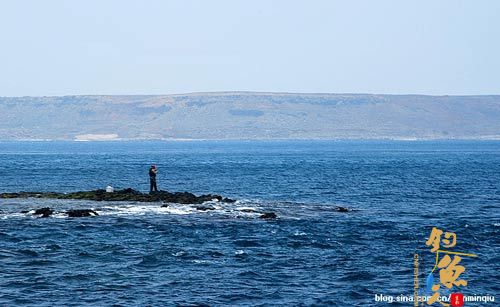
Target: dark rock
{"points": [[342, 209], [127, 191], [248, 210], [43, 212], [25, 211], [81, 213], [205, 208], [268, 215], [9, 195], [228, 200], [122, 195]]}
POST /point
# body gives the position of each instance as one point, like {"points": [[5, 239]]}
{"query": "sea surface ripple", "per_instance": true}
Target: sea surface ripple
{"points": [[139, 254]]}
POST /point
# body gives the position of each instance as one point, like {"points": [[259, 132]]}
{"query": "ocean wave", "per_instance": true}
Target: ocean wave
{"points": [[239, 209]]}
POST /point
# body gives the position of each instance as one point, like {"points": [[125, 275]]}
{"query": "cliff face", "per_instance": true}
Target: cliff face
{"points": [[246, 115]]}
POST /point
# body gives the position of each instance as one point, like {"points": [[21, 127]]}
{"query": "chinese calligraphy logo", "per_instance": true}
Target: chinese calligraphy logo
{"points": [[449, 268]]}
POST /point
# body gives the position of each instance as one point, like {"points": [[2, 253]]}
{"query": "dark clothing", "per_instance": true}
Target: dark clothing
{"points": [[152, 185], [152, 180], [152, 173]]}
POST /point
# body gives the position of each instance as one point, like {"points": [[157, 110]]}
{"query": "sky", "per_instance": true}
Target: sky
{"points": [[95, 47]]}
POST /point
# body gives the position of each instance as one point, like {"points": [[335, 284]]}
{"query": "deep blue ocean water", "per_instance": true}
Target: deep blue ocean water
{"points": [[137, 254]]}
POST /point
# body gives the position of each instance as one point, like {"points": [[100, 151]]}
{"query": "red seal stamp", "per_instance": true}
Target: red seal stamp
{"points": [[457, 299]]}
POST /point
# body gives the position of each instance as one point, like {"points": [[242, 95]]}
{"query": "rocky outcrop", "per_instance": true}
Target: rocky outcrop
{"points": [[165, 197], [123, 195], [46, 212], [43, 212]]}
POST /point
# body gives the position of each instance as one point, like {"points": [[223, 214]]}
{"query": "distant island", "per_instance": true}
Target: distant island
{"points": [[250, 115]]}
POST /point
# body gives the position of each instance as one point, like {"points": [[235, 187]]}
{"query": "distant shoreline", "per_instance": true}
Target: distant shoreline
{"points": [[250, 115], [254, 93], [123, 140]]}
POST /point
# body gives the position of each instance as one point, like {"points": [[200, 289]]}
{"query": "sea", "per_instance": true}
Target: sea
{"points": [[142, 254]]}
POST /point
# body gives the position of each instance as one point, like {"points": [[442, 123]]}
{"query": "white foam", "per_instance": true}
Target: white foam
{"points": [[299, 233], [13, 215], [184, 210], [59, 215], [243, 208], [143, 209]]}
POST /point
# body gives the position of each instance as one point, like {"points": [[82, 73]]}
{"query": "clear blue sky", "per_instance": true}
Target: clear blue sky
{"points": [[162, 47]]}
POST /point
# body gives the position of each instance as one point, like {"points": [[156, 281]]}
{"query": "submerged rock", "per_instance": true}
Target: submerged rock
{"points": [[342, 209], [123, 195], [248, 210], [205, 208], [81, 213], [268, 215]]}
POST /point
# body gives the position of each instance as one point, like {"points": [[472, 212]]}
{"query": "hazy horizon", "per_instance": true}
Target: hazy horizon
{"points": [[247, 92]]}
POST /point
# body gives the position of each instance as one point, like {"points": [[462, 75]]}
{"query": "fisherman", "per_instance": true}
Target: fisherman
{"points": [[152, 179]]}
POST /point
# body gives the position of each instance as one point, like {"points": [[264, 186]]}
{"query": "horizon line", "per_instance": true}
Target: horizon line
{"points": [[249, 93]]}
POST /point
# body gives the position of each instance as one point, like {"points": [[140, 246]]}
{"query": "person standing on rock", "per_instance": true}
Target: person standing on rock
{"points": [[152, 179]]}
